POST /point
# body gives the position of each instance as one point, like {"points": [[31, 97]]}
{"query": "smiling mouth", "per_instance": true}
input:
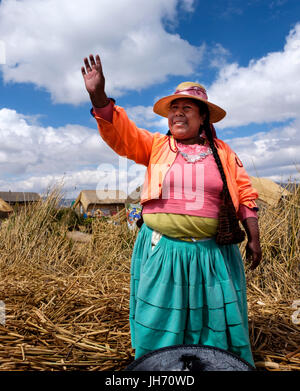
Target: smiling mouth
{"points": [[178, 122]]}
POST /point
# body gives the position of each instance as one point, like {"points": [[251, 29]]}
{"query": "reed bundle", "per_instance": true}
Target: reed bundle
{"points": [[275, 285], [67, 302]]}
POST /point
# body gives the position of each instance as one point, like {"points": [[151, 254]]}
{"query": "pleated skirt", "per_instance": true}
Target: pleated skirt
{"points": [[187, 293]]}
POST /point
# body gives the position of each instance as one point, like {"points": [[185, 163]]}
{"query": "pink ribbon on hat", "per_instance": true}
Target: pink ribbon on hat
{"points": [[195, 91]]}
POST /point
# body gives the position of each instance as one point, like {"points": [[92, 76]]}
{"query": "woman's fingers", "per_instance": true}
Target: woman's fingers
{"points": [[91, 63], [99, 65], [253, 254], [92, 60], [87, 69], [98, 60], [94, 80]]}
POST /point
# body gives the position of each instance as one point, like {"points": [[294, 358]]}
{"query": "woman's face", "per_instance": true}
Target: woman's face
{"points": [[185, 120]]}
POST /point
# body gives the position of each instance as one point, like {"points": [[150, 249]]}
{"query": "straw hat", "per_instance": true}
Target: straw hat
{"points": [[191, 90]]}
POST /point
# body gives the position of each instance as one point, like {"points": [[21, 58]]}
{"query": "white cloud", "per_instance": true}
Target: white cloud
{"points": [[32, 148], [71, 183], [2, 53], [273, 154], [267, 90], [188, 5], [33, 158], [47, 40], [144, 117], [218, 56]]}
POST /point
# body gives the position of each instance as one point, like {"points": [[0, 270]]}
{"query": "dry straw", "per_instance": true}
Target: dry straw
{"points": [[67, 302], [275, 285]]}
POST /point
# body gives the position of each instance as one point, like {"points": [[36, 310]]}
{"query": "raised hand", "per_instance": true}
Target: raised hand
{"points": [[94, 81]]}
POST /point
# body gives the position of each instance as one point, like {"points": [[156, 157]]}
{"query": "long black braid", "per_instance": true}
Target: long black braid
{"points": [[229, 230]]}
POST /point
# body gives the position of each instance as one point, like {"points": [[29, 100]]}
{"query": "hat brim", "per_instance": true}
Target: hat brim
{"points": [[162, 106]]}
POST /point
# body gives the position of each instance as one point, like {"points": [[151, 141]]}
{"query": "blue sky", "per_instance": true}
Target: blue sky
{"points": [[246, 53]]}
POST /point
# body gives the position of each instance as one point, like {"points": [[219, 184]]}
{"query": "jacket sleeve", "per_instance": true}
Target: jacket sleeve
{"points": [[247, 193], [238, 181], [125, 138]]}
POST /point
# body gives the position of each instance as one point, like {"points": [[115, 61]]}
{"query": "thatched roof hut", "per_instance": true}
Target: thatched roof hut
{"points": [[5, 208], [269, 191], [19, 197], [109, 201]]}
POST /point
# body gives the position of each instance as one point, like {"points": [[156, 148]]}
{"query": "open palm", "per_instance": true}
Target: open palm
{"points": [[93, 75]]}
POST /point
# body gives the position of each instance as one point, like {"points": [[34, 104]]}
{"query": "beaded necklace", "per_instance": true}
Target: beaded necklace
{"points": [[193, 155], [194, 152]]}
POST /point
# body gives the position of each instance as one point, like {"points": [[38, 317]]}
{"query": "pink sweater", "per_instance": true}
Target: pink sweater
{"points": [[193, 189]]}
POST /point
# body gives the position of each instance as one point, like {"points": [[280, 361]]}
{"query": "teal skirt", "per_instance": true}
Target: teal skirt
{"points": [[187, 293]]}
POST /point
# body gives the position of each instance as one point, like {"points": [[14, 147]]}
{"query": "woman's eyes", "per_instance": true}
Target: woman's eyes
{"points": [[184, 107]]}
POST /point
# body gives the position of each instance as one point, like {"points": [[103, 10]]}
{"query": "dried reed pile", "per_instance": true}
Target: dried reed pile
{"points": [[66, 302], [275, 285], [120, 217]]}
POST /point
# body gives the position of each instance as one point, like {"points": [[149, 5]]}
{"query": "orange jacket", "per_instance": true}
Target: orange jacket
{"points": [[158, 152]]}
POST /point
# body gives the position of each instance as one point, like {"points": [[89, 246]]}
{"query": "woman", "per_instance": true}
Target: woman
{"points": [[187, 275]]}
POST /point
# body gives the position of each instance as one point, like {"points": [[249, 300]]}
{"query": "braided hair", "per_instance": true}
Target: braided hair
{"points": [[229, 230]]}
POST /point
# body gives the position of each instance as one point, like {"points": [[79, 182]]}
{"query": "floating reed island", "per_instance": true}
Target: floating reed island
{"points": [[66, 301]]}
